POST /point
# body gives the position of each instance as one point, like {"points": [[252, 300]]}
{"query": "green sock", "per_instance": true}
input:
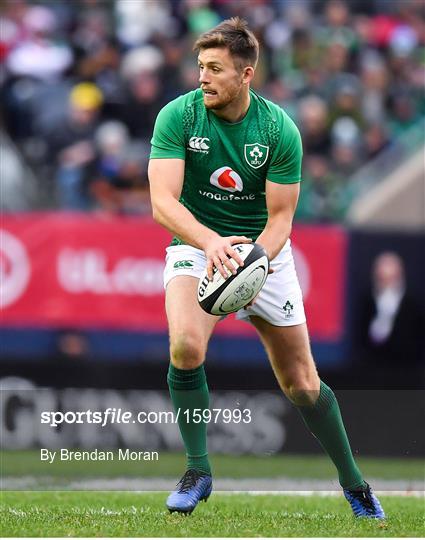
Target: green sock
{"points": [[325, 422], [188, 391]]}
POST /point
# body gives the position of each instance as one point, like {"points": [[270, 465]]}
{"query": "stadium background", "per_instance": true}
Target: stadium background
{"points": [[81, 259]]}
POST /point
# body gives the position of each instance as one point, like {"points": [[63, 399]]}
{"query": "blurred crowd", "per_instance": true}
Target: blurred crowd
{"points": [[83, 80]]}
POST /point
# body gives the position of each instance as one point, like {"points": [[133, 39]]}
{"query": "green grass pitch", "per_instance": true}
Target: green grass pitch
{"points": [[124, 514], [19, 463], [62, 513]]}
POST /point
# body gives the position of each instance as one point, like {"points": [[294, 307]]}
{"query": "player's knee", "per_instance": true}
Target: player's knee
{"points": [[302, 396], [302, 388], [187, 351]]}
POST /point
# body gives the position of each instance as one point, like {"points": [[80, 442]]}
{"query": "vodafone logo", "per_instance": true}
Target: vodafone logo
{"points": [[14, 269], [227, 179]]}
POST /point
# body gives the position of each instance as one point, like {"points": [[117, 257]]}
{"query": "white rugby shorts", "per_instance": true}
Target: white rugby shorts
{"points": [[280, 300]]}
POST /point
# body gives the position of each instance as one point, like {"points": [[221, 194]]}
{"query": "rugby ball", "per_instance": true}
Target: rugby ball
{"points": [[223, 296]]}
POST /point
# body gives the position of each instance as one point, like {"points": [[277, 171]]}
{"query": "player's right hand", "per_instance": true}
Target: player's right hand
{"points": [[219, 250]]}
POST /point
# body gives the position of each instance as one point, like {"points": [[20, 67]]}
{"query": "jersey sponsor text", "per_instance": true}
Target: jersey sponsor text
{"points": [[231, 197]]}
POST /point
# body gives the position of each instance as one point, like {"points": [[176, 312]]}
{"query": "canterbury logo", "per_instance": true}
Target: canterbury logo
{"points": [[199, 143], [183, 264]]}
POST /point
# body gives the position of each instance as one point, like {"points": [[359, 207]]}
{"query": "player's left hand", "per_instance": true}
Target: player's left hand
{"points": [[271, 271], [219, 251]]}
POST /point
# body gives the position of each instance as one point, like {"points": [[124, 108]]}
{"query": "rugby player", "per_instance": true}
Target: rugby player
{"points": [[225, 168]]}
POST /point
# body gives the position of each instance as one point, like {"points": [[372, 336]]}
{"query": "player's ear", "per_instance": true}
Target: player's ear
{"points": [[248, 74]]}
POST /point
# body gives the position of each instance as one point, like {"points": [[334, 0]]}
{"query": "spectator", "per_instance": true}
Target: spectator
{"points": [[137, 22], [172, 70], [391, 322], [346, 148], [403, 109], [33, 59], [39, 56], [376, 139], [71, 141], [119, 184], [320, 197], [140, 69], [336, 58], [346, 100], [313, 123], [375, 79], [338, 28]]}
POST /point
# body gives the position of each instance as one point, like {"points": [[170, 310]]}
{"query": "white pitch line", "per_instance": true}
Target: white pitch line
{"points": [[324, 493], [266, 486]]}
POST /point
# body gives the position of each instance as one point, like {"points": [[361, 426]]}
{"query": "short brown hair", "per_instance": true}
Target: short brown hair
{"points": [[234, 35]]}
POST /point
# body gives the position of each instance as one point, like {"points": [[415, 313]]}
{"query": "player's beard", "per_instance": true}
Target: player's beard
{"points": [[223, 98]]}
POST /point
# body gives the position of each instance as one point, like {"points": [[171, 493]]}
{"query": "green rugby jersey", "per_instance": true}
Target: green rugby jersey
{"points": [[227, 164]]}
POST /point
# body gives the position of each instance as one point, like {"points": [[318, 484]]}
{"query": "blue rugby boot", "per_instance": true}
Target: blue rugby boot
{"points": [[192, 488], [364, 503]]}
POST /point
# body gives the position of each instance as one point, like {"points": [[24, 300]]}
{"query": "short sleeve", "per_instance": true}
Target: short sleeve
{"points": [[285, 164], [168, 138]]}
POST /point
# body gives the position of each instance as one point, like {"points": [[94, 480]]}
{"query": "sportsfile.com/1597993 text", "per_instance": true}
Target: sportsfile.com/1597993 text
{"points": [[114, 415]]}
